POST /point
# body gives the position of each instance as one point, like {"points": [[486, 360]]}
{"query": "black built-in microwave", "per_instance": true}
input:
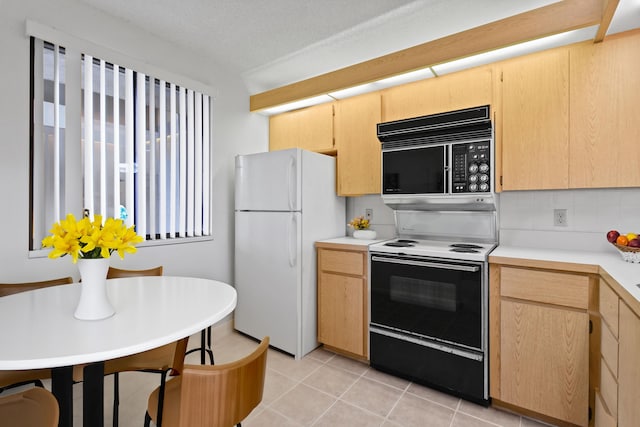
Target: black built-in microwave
{"points": [[441, 154]]}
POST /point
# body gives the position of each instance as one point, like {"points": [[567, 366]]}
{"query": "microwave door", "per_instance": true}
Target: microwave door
{"points": [[415, 171]]}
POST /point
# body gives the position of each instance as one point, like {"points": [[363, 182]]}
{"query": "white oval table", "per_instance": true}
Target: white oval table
{"points": [[38, 330]]}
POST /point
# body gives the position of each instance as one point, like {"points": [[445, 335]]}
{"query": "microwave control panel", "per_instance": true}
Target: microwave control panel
{"points": [[471, 167]]}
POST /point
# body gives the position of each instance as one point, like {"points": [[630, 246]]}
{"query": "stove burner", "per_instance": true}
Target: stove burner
{"points": [[399, 244], [465, 246], [406, 241], [464, 250]]}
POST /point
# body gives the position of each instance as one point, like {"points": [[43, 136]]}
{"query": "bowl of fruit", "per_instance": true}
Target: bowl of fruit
{"points": [[628, 245]]}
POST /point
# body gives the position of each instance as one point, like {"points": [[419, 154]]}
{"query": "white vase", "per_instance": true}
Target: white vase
{"points": [[364, 234], [94, 302]]}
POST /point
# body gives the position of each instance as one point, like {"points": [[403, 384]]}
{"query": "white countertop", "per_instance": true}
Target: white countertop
{"points": [[625, 273], [347, 240]]}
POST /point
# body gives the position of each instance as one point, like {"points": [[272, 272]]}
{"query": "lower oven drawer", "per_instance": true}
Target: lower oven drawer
{"points": [[439, 369]]}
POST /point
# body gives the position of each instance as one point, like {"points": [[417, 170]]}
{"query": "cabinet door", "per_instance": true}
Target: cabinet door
{"points": [[535, 121], [464, 89], [309, 128], [628, 368], [357, 144], [605, 98], [341, 312], [544, 360]]}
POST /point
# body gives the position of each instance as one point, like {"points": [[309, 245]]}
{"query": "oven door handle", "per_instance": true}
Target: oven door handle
{"points": [[428, 264]]}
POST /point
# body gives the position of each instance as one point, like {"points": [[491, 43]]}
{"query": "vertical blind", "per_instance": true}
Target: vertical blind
{"points": [[146, 148]]}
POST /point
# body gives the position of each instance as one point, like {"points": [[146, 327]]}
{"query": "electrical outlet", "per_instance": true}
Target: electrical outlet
{"points": [[368, 214], [560, 218]]}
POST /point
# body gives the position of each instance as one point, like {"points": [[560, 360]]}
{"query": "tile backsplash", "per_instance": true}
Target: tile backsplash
{"points": [[526, 217]]}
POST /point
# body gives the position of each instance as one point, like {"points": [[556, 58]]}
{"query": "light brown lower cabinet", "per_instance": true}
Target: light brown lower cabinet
{"points": [[628, 368], [343, 299], [539, 349]]}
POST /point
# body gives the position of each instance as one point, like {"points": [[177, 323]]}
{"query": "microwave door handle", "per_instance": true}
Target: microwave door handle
{"points": [[470, 268]]}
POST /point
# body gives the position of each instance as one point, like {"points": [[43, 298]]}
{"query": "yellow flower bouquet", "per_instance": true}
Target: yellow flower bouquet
{"points": [[359, 223], [91, 239]]}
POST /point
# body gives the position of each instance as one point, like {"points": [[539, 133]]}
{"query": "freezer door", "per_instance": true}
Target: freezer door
{"points": [[268, 277], [269, 181]]}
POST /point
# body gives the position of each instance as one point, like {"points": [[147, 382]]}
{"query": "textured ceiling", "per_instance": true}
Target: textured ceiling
{"points": [[271, 43], [245, 34]]}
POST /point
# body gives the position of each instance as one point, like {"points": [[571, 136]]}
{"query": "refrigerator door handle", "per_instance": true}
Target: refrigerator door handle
{"points": [[291, 184], [292, 238]]}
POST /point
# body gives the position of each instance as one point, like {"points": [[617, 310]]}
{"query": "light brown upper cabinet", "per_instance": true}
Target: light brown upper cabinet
{"points": [[464, 89], [535, 121], [605, 100], [308, 128], [357, 145]]}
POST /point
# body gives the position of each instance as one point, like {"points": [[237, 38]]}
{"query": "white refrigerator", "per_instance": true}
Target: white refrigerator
{"points": [[284, 202]]}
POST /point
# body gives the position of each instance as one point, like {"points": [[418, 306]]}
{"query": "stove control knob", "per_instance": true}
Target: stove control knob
{"points": [[473, 187], [484, 168], [473, 178], [484, 177], [473, 167], [484, 187]]}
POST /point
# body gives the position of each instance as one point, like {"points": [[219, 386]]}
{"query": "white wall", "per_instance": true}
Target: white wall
{"points": [[236, 131], [526, 217]]}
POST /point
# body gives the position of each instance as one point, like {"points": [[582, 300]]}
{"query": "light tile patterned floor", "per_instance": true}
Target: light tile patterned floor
{"points": [[322, 389]]}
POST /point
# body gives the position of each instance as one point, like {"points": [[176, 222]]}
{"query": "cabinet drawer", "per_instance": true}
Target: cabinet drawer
{"points": [[608, 388], [342, 262], [602, 417], [570, 290], [609, 307], [609, 348]]}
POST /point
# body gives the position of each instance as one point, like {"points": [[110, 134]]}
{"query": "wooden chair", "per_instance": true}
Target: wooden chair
{"points": [[9, 379], [33, 407], [213, 396], [160, 360]]}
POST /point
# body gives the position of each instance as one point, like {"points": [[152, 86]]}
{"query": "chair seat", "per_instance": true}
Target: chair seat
{"points": [[212, 396], [33, 407]]}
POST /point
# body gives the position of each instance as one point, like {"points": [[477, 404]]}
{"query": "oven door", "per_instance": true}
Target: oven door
{"points": [[432, 298], [414, 171]]}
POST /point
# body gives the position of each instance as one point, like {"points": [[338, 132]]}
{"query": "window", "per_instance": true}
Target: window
{"points": [[142, 151]]}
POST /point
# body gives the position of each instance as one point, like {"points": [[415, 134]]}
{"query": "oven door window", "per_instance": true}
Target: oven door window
{"points": [[414, 171], [443, 303]]}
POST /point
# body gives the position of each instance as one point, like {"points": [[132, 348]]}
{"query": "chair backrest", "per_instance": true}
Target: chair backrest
{"points": [[223, 395], [14, 288], [33, 407], [114, 273]]}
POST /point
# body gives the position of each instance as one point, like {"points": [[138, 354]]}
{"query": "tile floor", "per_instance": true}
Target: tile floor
{"points": [[322, 389]]}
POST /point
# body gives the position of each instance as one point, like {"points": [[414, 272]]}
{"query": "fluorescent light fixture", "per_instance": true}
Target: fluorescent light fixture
{"points": [[537, 45], [544, 43], [352, 91], [320, 99], [411, 76]]}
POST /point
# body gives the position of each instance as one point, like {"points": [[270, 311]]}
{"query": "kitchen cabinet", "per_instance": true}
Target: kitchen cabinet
{"points": [[619, 369], [343, 298], [308, 128], [535, 121], [357, 145], [539, 341], [464, 89], [628, 368], [604, 125]]}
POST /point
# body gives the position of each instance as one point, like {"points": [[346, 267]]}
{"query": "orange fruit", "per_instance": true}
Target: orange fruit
{"points": [[622, 240]]}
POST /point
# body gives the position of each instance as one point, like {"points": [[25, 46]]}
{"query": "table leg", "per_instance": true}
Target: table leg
{"points": [[93, 395], [62, 388]]}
